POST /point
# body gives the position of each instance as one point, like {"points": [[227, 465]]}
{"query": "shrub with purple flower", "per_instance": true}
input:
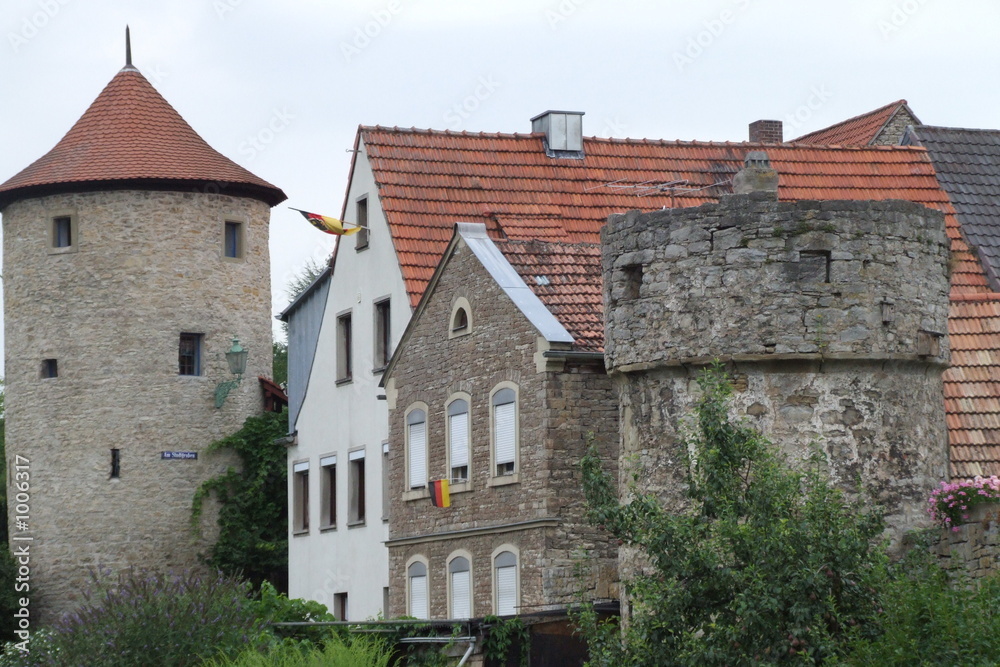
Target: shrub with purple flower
{"points": [[952, 503]]}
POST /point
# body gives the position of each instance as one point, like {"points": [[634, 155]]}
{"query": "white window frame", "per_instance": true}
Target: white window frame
{"points": [[499, 551], [454, 485], [412, 492], [302, 508], [515, 477], [452, 612], [418, 560]]}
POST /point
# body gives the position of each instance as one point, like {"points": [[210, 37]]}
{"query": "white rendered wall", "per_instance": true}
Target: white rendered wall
{"points": [[340, 419]]}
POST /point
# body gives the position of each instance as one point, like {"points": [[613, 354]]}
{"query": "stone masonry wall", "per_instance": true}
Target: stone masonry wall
{"points": [[147, 266], [893, 131], [832, 316], [556, 411], [973, 546]]}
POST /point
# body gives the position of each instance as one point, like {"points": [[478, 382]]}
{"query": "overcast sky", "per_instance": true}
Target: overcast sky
{"points": [[280, 87]]}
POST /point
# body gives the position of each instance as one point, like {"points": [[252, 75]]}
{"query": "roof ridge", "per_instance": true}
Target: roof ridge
{"points": [[984, 130]]}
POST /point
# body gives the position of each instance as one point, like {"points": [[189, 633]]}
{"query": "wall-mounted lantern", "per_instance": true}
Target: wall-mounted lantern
{"points": [[236, 357]]}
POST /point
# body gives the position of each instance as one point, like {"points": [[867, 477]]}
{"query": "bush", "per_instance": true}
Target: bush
{"points": [[151, 620], [274, 607], [933, 618], [337, 651], [765, 566]]}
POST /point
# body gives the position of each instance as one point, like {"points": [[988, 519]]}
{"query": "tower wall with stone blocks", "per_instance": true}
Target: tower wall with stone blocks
{"points": [[143, 267], [831, 316]]}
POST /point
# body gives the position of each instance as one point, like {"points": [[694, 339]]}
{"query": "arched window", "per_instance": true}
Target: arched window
{"points": [[460, 588], [458, 440], [460, 322], [416, 448], [416, 576], [504, 412], [505, 584]]}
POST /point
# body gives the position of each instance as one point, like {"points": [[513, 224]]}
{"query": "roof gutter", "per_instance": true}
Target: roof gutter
{"points": [[581, 355]]}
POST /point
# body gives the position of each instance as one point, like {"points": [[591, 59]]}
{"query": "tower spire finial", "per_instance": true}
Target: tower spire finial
{"points": [[128, 48]]}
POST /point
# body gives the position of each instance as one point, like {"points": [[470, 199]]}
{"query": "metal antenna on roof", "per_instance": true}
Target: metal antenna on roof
{"points": [[128, 48]]}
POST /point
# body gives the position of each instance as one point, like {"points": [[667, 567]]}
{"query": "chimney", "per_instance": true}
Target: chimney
{"points": [[563, 132], [766, 132], [756, 175]]}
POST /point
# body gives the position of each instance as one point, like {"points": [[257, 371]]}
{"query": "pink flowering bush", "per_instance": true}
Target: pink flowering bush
{"points": [[951, 504]]}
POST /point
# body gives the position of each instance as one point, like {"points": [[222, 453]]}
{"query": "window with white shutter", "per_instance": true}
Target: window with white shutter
{"points": [[505, 577], [458, 440], [417, 575], [416, 448], [461, 588], [504, 432]]}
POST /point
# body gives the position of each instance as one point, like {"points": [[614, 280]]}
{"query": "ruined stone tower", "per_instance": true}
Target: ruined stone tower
{"points": [[133, 252], [831, 315]]}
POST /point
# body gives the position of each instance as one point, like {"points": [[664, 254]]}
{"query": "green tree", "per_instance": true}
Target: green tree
{"points": [[765, 566], [253, 516]]}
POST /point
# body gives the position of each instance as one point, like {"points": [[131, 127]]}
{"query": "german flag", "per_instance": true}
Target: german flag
{"points": [[440, 495], [327, 224]]}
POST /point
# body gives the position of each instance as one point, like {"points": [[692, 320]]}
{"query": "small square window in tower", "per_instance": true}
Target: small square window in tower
{"points": [[50, 368], [361, 209], [345, 365], [62, 231], [189, 354], [232, 242]]}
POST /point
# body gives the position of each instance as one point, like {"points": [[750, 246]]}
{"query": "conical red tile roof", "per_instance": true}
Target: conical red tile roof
{"points": [[131, 137]]}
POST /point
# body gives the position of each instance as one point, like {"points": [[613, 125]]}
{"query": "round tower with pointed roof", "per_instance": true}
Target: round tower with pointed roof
{"points": [[133, 253]]}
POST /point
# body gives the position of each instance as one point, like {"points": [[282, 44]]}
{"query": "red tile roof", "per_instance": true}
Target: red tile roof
{"points": [[131, 137], [567, 279], [858, 131], [972, 385], [428, 180]]}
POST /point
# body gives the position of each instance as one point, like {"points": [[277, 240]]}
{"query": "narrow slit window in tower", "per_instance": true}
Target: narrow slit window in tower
{"points": [[116, 467]]}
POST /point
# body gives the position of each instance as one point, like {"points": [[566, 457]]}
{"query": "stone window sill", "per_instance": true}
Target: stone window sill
{"points": [[343, 381], [328, 528], [416, 494], [505, 480], [459, 487], [300, 533], [355, 524]]}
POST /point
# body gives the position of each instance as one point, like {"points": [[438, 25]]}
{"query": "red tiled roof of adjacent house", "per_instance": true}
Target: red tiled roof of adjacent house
{"points": [[131, 137], [567, 279], [428, 180], [858, 131], [972, 385]]}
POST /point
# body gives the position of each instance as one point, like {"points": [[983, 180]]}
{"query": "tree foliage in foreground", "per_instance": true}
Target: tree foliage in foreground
{"points": [[765, 566], [253, 514]]}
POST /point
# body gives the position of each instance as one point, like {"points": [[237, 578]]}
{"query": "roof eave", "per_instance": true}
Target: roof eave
{"points": [[270, 195]]}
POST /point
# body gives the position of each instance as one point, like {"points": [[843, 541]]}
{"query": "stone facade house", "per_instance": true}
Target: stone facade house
{"points": [[552, 185], [498, 386]]}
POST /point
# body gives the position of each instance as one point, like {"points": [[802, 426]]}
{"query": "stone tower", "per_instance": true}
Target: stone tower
{"points": [[831, 315], [133, 252]]}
